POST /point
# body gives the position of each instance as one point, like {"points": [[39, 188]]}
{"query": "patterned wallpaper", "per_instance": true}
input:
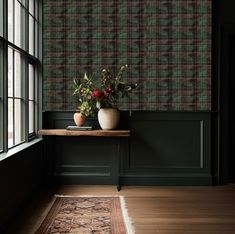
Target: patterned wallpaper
{"points": [[166, 43]]}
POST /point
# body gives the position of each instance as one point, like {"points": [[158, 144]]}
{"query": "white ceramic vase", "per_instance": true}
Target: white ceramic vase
{"points": [[108, 118]]}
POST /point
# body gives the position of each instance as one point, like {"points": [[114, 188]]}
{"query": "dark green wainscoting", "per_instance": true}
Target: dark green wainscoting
{"points": [[85, 160], [168, 149], [165, 148]]}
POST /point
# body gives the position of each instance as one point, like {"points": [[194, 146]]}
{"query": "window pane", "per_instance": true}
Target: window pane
{"points": [[18, 28], [31, 116], [10, 20], [31, 82], [10, 72], [31, 6], [36, 9], [10, 123], [31, 35], [18, 121], [1, 18], [18, 83]]}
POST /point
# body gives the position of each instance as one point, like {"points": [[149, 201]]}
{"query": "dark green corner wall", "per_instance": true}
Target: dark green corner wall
{"points": [[21, 176], [166, 43]]}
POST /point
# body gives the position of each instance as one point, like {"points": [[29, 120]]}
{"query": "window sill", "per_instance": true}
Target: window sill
{"points": [[19, 148]]}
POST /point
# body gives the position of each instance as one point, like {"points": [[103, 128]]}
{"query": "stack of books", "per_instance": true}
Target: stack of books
{"points": [[79, 128]]}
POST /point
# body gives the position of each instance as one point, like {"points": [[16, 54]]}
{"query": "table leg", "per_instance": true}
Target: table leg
{"points": [[119, 187]]}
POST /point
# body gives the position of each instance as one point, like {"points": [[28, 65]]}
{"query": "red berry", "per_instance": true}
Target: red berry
{"points": [[97, 93]]}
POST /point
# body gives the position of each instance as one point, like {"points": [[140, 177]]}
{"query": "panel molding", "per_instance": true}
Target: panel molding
{"points": [[182, 172], [171, 180], [201, 146]]}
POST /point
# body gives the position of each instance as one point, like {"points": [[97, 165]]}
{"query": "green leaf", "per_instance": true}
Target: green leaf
{"points": [[86, 77]]}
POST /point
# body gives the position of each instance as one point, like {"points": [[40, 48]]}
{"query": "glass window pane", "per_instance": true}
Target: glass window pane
{"points": [[31, 116], [10, 72], [18, 121], [10, 123], [31, 6], [36, 9], [18, 27], [31, 82], [18, 82], [1, 18], [31, 35], [10, 20]]}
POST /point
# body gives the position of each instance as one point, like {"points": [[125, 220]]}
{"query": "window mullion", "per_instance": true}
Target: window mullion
{"points": [[38, 98], [13, 22], [26, 97], [26, 75], [35, 98], [5, 77], [1, 98], [5, 96], [13, 95], [39, 67], [34, 28]]}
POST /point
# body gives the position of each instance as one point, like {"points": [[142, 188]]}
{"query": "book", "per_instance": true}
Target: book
{"points": [[79, 128]]}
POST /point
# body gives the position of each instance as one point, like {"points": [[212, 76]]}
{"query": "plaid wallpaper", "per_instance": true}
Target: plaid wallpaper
{"points": [[166, 43]]}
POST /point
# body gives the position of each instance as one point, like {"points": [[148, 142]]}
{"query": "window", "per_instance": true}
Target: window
{"points": [[19, 76]]}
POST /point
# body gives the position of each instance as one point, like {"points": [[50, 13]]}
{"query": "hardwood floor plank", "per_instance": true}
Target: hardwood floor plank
{"points": [[163, 210]]}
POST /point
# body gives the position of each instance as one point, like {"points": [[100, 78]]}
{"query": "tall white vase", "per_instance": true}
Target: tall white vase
{"points": [[108, 118]]}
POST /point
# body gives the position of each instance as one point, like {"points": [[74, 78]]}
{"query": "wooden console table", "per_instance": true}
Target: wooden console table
{"points": [[92, 133], [96, 133]]}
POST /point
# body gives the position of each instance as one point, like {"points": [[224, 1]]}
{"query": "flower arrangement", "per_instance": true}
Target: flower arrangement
{"points": [[102, 94], [111, 87]]}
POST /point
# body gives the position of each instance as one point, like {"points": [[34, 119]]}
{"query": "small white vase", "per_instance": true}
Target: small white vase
{"points": [[108, 118]]}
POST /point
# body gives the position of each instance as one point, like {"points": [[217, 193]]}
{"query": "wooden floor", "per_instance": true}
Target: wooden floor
{"points": [[208, 210]]}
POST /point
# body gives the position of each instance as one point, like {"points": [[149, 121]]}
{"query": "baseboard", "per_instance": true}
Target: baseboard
{"points": [[169, 180]]}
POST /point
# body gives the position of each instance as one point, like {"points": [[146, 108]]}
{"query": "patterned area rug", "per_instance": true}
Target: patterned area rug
{"points": [[96, 215]]}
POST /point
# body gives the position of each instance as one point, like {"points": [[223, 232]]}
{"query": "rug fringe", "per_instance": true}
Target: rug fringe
{"points": [[128, 221]]}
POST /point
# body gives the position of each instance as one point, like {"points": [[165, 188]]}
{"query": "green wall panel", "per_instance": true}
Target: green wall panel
{"points": [[166, 43], [164, 148], [168, 149], [83, 160]]}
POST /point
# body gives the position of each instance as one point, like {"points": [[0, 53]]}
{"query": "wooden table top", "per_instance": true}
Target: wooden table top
{"points": [[97, 133]]}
